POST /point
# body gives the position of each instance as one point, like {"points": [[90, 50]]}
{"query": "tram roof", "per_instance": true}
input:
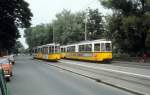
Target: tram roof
{"points": [[51, 44], [88, 41]]}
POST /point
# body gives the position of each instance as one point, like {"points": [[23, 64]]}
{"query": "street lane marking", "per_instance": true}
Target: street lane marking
{"points": [[105, 69]]}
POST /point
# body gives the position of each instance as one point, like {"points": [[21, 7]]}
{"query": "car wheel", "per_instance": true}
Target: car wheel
{"points": [[8, 79], [11, 74]]}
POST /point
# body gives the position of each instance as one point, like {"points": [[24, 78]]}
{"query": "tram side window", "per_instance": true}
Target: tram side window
{"points": [[42, 50], [57, 49], [108, 46], [62, 49], [34, 51], [103, 47], [38, 50], [88, 47], [68, 49], [81, 48], [46, 50], [71, 49], [51, 49], [97, 47]]}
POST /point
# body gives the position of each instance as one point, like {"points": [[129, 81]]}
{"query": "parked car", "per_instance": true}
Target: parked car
{"points": [[7, 67], [3, 87], [10, 58]]}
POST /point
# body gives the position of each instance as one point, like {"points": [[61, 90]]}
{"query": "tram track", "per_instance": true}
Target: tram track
{"points": [[107, 78], [101, 81], [110, 74]]}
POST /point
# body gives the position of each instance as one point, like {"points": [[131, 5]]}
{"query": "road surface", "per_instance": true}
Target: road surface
{"points": [[32, 77]]}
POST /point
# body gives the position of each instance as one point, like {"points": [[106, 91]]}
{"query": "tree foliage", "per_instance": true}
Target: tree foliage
{"points": [[13, 14], [39, 35], [95, 25], [129, 25], [17, 47], [67, 28]]}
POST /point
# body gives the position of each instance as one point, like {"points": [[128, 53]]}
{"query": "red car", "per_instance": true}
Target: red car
{"points": [[7, 67]]}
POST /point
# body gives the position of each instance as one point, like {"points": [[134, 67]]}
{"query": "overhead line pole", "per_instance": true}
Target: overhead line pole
{"points": [[85, 32], [53, 36], [85, 29]]}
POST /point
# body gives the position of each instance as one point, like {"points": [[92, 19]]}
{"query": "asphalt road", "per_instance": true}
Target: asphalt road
{"points": [[32, 77]]}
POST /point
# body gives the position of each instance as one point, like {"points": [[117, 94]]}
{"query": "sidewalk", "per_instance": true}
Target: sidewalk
{"points": [[146, 63]]}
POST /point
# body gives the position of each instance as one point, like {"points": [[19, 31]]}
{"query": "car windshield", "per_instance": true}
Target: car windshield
{"points": [[4, 61]]}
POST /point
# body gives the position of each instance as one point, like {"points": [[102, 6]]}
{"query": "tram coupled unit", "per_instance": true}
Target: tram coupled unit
{"points": [[96, 50], [47, 52]]}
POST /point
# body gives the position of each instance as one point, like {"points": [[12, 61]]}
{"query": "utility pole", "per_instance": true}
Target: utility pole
{"points": [[53, 35], [85, 28], [85, 33]]}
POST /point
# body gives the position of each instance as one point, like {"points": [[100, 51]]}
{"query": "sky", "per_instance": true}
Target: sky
{"points": [[44, 11]]}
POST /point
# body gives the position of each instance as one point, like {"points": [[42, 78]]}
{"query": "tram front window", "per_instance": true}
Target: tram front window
{"points": [[108, 46], [105, 46]]}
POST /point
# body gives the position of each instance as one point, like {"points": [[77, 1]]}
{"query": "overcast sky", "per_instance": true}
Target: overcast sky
{"points": [[44, 11]]}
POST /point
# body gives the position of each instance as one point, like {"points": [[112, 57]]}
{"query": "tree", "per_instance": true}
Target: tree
{"points": [[69, 27], [17, 47], [129, 24], [95, 23], [13, 14], [39, 35], [66, 28]]}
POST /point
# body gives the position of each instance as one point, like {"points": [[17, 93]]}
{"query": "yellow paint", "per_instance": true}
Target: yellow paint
{"points": [[50, 56], [90, 56], [62, 55], [54, 56]]}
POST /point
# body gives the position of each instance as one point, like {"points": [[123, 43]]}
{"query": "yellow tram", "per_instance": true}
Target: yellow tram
{"points": [[47, 52], [97, 50]]}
